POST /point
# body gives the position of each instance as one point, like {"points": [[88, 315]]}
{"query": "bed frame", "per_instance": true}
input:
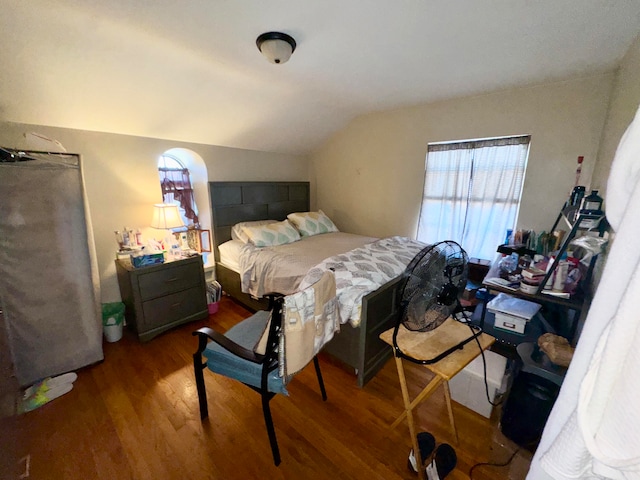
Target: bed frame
{"points": [[233, 202]]}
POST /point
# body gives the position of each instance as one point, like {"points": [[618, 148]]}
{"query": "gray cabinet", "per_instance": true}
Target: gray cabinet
{"points": [[160, 297]]}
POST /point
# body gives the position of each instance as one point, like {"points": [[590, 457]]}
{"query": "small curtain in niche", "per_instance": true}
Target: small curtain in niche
{"points": [[176, 187]]}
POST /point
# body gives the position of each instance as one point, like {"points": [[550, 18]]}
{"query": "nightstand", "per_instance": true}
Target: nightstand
{"points": [[160, 297]]}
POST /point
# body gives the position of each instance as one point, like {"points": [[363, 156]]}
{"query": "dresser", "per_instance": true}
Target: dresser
{"points": [[160, 297]]}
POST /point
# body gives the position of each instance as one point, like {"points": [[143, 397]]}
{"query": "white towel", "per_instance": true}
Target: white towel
{"points": [[594, 428]]}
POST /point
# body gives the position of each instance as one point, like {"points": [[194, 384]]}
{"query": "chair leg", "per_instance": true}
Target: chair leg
{"points": [[198, 368], [320, 381], [268, 420]]}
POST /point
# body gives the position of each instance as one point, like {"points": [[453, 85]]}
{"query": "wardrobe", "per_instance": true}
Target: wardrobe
{"points": [[49, 286]]}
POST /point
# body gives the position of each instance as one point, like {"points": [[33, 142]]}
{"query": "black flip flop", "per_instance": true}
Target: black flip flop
{"points": [[443, 463], [426, 444]]}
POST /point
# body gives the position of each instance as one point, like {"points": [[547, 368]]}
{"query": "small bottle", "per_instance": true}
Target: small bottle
{"points": [[126, 240], [549, 283], [592, 204], [138, 237], [524, 261], [577, 195], [119, 239], [175, 252], [509, 263]]}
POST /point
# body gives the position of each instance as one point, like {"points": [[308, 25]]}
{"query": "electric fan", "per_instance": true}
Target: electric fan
{"points": [[430, 292]]}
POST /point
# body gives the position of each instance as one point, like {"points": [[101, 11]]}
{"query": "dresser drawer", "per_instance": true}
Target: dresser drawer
{"points": [[169, 280], [173, 307]]}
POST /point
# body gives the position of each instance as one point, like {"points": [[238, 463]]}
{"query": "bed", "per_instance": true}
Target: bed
{"points": [[235, 202]]}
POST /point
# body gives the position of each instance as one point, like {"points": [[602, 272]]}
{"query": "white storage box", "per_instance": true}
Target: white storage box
{"points": [[510, 323], [512, 314], [467, 387]]}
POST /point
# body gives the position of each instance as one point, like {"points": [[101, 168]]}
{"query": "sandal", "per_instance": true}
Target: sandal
{"points": [[49, 383], [42, 397], [426, 444], [44, 391], [443, 463]]}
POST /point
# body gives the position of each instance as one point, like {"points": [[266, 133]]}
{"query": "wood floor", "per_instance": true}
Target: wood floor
{"points": [[135, 416]]}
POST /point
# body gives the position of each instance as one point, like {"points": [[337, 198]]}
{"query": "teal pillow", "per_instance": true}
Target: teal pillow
{"points": [[278, 233], [312, 223]]}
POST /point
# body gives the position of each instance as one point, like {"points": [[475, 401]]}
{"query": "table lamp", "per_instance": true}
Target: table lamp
{"points": [[165, 217]]}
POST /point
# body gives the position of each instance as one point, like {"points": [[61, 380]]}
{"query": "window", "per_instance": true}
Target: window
{"points": [[472, 192], [175, 182]]}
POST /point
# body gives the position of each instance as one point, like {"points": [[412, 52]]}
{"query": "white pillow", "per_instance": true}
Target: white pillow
{"points": [[238, 234], [312, 223], [272, 234]]}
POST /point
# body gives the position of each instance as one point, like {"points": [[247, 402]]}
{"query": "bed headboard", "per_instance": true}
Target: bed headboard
{"points": [[233, 202]]}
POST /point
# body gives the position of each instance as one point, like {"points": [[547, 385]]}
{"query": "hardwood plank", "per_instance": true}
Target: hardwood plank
{"points": [[136, 416]]}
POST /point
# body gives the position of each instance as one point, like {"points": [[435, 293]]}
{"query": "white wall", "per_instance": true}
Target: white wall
{"points": [[122, 184], [370, 175], [624, 104]]}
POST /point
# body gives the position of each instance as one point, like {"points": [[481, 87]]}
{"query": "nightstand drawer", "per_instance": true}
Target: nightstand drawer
{"points": [[173, 307], [171, 279]]}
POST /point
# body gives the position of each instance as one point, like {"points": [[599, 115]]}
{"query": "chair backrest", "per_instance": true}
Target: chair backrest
{"points": [[268, 344]]}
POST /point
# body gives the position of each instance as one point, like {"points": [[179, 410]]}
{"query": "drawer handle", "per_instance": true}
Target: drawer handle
{"points": [[177, 304], [169, 280]]}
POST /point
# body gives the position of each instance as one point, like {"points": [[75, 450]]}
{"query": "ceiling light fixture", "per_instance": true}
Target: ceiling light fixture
{"points": [[276, 46]]}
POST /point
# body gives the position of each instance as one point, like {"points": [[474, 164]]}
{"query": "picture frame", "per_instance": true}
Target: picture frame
{"points": [[199, 240], [205, 240]]}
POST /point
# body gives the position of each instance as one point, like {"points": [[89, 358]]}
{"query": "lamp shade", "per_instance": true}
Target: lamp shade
{"points": [[166, 216], [277, 47]]}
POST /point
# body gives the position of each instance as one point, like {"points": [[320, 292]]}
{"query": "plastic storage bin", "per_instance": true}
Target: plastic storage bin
{"points": [[467, 387], [112, 321]]}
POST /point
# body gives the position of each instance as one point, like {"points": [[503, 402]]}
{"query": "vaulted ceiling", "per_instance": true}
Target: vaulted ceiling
{"points": [[191, 71]]}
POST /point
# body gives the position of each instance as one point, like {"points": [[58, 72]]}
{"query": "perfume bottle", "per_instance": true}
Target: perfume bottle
{"points": [[119, 239]]}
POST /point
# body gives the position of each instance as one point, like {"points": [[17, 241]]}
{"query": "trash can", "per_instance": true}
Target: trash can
{"points": [[532, 395], [112, 320]]}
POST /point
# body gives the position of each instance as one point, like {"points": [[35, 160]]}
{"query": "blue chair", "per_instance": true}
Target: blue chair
{"points": [[233, 355]]}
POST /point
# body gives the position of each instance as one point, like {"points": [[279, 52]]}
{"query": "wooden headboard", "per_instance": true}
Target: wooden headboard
{"points": [[233, 202]]}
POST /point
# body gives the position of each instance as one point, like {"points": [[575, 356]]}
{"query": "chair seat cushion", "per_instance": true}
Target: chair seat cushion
{"points": [[246, 333]]}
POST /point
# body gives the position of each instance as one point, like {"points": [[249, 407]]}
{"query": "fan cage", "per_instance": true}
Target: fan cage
{"points": [[433, 284]]}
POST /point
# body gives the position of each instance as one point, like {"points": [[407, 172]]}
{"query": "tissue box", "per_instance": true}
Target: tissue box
{"points": [[146, 260], [467, 387]]}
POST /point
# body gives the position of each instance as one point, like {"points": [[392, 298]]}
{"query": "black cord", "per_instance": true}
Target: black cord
{"points": [[484, 360], [489, 464]]}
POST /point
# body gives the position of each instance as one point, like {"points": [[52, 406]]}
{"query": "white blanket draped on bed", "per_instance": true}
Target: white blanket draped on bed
{"points": [[310, 321], [281, 268], [363, 270], [594, 428]]}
